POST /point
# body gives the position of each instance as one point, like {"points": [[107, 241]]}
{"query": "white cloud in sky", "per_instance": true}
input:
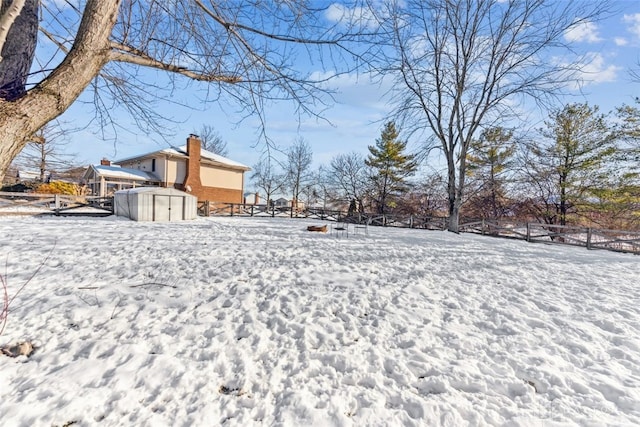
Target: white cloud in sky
{"points": [[620, 41], [585, 31], [634, 23], [595, 70], [341, 14]]}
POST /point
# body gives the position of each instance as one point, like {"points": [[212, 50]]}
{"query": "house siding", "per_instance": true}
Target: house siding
{"points": [[222, 178], [176, 171]]}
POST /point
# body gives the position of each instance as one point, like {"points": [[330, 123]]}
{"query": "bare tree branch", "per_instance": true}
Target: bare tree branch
{"points": [[134, 56], [247, 54]]}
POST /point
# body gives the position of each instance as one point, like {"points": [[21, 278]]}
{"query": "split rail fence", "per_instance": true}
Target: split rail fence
{"points": [[590, 238], [54, 204]]}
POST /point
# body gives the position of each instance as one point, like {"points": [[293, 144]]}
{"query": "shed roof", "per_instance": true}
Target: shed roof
{"points": [[155, 190]]}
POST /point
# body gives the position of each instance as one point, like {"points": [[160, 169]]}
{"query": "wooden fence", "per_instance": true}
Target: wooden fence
{"points": [[54, 204], [403, 221], [590, 238]]}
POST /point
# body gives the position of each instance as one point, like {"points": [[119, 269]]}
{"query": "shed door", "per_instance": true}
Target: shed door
{"points": [[168, 208]]}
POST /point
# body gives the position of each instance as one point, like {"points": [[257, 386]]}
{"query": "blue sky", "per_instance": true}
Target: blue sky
{"points": [[354, 121]]}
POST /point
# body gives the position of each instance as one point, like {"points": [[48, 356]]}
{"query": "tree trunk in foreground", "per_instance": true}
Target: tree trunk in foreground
{"points": [[18, 48], [21, 118]]}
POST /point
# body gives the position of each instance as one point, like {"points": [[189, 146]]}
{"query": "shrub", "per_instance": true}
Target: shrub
{"points": [[59, 187]]}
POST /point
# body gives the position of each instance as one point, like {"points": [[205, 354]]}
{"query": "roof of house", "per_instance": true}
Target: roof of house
{"points": [[182, 152], [124, 173]]}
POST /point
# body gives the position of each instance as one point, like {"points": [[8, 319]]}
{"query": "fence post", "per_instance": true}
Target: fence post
{"points": [[251, 210], [231, 209], [56, 203], [411, 221], [528, 232], [482, 227], [589, 238]]}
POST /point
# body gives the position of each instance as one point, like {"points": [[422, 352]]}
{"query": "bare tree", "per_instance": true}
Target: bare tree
{"points": [[463, 65], [212, 140], [43, 152], [267, 178], [348, 175], [322, 186], [299, 158], [242, 51], [426, 198]]}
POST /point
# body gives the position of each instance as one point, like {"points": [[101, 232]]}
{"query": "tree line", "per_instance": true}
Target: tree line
{"points": [[579, 168], [459, 69]]}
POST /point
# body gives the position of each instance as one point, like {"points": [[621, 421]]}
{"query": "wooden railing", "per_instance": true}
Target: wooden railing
{"points": [[588, 237], [53, 204], [387, 220]]}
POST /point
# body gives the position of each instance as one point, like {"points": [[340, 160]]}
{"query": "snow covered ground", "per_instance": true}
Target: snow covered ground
{"points": [[255, 321]]}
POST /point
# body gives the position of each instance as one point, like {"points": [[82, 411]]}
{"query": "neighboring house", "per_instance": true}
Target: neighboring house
{"points": [[281, 203], [251, 198], [204, 174], [26, 175], [104, 180]]}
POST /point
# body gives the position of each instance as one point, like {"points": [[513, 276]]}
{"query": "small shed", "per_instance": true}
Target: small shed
{"points": [[155, 204]]}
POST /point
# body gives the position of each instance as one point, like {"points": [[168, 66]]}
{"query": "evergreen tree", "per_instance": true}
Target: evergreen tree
{"points": [[390, 165], [628, 130], [573, 159], [490, 159]]}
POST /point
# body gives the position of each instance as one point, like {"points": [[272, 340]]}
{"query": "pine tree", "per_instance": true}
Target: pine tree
{"points": [[490, 159], [574, 159], [391, 167]]}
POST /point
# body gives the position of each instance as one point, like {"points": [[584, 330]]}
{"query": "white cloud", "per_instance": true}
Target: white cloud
{"points": [[634, 23], [620, 41], [362, 16], [585, 31], [595, 70]]}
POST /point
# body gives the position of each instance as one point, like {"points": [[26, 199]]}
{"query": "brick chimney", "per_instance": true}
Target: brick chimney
{"points": [[256, 199], [105, 162], [192, 183]]}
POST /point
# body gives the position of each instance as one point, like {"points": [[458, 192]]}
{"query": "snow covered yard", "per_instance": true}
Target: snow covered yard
{"points": [[255, 321]]}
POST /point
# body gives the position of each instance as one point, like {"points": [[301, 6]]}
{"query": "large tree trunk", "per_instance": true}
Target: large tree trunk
{"points": [[21, 118], [454, 217], [454, 205], [18, 49]]}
